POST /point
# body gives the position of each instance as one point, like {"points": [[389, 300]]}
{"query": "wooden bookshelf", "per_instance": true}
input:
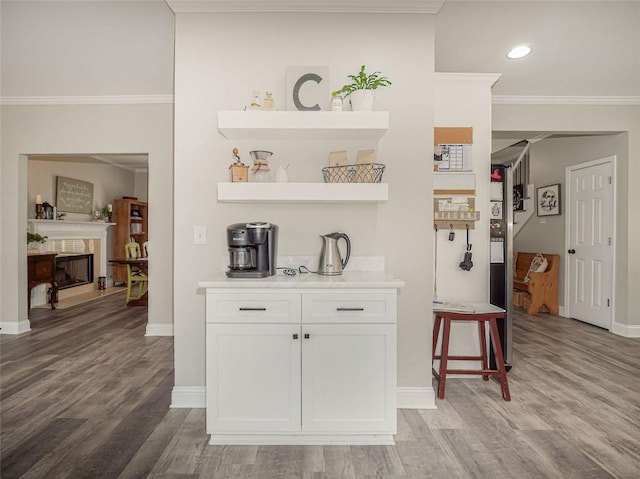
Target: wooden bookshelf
{"points": [[131, 219]]}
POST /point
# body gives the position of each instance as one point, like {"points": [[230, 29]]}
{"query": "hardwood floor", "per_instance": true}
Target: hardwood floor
{"points": [[86, 395]]}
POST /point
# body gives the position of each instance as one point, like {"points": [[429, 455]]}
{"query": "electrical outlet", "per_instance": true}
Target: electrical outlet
{"points": [[199, 234]]}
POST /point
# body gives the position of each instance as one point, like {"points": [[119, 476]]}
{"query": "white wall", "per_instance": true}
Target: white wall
{"points": [[220, 59], [141, 186], [54, 56], [103, 129], [464, 100], [549, 160], [69, 48], [583, 118]]}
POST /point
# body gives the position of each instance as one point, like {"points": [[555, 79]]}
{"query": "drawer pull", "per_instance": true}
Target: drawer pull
{"points": [[349, 309], [295, 336], [306, 336], [253, 309]]}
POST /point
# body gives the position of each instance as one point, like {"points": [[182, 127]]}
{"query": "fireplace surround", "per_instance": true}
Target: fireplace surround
{"points": [[94, 238]]}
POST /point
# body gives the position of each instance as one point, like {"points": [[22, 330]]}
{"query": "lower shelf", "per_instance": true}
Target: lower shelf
{"points": [[303, 192]]}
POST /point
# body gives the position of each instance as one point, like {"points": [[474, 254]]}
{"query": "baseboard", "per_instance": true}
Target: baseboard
{"points": [[408, 397], [188, 397], [416, 398], [626, 330], [159, 329], [20, 327], [561, 311]]}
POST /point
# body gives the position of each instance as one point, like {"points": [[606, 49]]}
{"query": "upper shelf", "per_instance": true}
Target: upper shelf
{"points": [[295, 125], [303, 192]]}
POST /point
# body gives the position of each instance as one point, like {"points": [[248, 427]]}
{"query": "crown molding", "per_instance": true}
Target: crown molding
{"points": [[488, 79], [565, 100], [306, 6], [85, 100]]}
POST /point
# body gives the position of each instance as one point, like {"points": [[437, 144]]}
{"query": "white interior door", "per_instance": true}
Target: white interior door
{"points": [[590, 242]]}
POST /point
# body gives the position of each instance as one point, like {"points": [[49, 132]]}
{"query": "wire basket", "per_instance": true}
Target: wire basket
{"points": [[365, 173]]}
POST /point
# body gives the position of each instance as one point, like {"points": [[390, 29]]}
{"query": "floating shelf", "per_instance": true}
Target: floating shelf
{"points": [[303, 192], [306, 125]]}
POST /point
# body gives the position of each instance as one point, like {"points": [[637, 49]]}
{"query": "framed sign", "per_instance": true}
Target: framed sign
{"points": [[548, 200], [73, 196]]}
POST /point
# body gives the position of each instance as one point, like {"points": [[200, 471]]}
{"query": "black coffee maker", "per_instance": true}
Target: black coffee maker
{"points": [[253, 249]]}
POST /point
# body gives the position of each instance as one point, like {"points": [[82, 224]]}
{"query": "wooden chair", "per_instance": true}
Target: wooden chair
{"points": [[134, 275], [540, 293]]}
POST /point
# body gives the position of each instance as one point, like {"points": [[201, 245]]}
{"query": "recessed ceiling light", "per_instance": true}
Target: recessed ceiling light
{"points": [[519, 51]]}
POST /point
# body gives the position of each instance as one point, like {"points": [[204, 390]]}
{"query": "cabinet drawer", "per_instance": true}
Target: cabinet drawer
{"points": [[347, 307], [253, 308]]}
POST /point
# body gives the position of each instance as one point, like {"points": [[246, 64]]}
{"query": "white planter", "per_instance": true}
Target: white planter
{"points": [[362, 100]]}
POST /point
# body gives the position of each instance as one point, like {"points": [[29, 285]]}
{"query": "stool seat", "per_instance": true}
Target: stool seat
{"points": [[481, 314]]}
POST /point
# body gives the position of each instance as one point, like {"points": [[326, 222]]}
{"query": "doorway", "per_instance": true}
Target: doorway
{"points": [[590, 245], [107, 177]]}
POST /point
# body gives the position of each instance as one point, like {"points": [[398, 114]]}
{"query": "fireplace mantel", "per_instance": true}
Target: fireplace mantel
{"points": [[60, 230]]}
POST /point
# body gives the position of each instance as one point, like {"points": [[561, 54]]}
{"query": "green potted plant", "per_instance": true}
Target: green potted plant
{"points": [[33, 239], [362, 88]]}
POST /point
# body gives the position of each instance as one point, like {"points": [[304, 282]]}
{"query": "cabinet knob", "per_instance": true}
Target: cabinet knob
{"points": [[306, 336], [295, 336]]}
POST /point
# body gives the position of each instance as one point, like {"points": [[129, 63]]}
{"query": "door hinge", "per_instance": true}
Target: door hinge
{"points": [[609, 180], [609, 240]]}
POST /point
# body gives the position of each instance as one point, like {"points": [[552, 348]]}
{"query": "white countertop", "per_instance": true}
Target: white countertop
{"points": [[368, 279]]}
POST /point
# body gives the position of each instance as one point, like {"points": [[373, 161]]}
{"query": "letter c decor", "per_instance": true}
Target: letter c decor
{"points": [[296, 91]]}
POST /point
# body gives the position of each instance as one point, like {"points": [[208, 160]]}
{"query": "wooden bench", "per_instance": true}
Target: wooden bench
{"points": [[540, 293]]}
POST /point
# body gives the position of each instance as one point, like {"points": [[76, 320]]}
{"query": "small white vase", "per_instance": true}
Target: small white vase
{"points": [[362, 100]]}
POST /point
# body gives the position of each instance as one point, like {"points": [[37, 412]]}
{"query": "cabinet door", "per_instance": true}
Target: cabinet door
{"points": [[349, 378], [253, 377]]}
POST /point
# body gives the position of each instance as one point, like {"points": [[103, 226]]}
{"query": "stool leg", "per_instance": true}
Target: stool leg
{"points": [[444, 356], [483, 349], [436, 332], [497, 348]]}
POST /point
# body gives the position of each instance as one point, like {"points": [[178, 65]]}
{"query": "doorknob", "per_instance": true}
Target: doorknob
{"points": [[571, 251]]}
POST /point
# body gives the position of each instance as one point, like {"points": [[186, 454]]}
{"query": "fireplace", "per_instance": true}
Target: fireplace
{"points": [[71, 238], [74, 270]]}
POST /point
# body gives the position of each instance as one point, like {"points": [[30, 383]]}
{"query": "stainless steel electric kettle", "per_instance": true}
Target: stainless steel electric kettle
{"points": [[331, 263]]}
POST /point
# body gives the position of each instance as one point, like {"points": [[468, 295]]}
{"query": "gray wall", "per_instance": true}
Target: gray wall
{"points": [[108, 181], [549, 159], [599, 118]]}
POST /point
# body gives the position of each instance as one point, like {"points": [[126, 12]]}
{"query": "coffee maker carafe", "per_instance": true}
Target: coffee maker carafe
{"points": [[253, 249]]}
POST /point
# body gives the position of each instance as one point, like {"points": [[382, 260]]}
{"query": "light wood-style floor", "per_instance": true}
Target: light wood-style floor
{"points": [[86, 395]]}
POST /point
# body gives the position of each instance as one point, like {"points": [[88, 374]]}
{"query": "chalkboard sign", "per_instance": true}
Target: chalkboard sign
{"points": [[73, 196]]}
